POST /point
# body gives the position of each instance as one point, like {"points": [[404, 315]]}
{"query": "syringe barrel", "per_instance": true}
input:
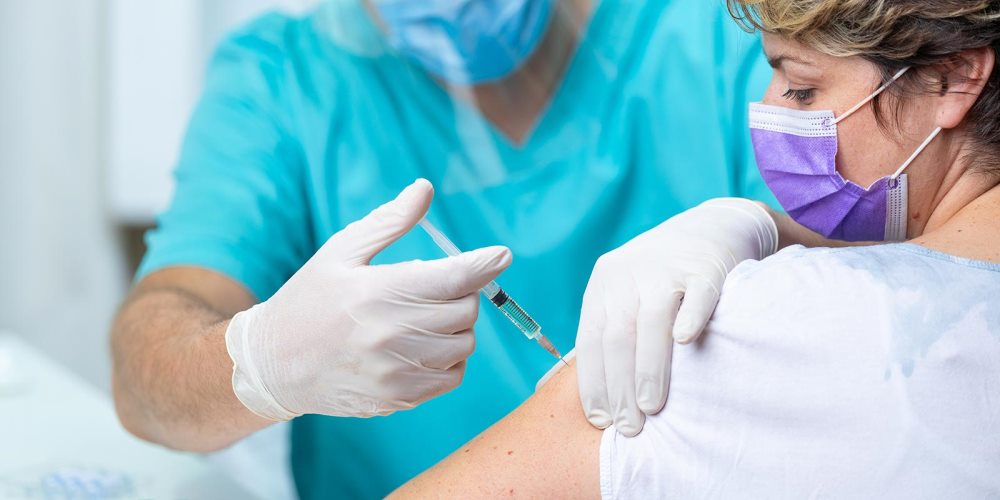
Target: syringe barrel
{"points": [[516, 314], [492, 290]]}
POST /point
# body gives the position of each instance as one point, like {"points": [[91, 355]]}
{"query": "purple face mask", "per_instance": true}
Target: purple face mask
{"points": [[796, 153]]}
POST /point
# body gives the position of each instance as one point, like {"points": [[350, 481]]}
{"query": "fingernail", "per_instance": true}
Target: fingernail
{"points": [[628, 428], [417, 188], [505, 256], [683, 331], [646, 396], [499, 256], [650, 404], [600, 420]]}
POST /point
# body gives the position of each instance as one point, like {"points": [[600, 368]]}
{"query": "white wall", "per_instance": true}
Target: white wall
{"points": [[61, 272], [94, 97], [155, 71]]}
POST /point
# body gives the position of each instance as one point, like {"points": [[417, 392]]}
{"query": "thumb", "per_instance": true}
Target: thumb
{"points": [[362, 240], [458, 276]]}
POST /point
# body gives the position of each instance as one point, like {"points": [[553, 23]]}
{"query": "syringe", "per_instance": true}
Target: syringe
{"points": [[497, 296]]}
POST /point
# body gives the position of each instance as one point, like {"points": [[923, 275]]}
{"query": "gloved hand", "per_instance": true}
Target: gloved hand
{"points": [[346, 338], [660, 287]]}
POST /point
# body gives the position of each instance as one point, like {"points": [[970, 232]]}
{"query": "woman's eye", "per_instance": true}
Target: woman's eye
{"points": [[801, 96]]}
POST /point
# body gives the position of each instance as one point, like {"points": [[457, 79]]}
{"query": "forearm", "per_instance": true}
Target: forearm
{"points": [[172, 379]]}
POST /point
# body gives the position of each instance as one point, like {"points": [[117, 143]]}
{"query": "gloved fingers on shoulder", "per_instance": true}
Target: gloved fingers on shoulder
{"points": [[594, 396], [700, 299], [590, 358], [593, 385], [629, 420], [625, 412], [621, 311], [619, 369], [654, 347]]}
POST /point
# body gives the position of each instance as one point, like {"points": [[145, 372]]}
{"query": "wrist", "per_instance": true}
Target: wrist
{"points": [[248, 381]]}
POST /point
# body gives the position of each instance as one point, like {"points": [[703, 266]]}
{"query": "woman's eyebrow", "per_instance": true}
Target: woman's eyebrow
{"points": [[777, 61]]}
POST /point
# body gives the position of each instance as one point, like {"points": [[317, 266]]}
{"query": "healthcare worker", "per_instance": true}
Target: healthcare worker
{"points": [[272, 291]]}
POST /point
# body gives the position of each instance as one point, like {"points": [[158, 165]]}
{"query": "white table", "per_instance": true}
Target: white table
{"points": [[59, 435]]}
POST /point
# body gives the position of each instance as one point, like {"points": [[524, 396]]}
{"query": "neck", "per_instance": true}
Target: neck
{"points": [[945, 194], [967, 229], [515, 103]]}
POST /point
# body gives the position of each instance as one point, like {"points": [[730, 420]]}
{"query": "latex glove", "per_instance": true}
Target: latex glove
{"points": [[345, 338], [661, 286]]}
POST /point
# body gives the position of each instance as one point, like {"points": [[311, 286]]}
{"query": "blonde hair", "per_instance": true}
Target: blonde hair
{"points": [[893, 34]]}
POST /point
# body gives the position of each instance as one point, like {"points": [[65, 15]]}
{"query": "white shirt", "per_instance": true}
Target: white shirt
{"points": [[833, 373]]}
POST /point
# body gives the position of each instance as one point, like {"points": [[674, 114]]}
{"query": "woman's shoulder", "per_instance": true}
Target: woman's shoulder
{"points": [[876, 258], [881, 272]]}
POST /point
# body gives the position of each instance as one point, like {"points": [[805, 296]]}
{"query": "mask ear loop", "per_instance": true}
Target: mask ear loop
{"points": [[927, 141], [892, 178], [875, 94]]}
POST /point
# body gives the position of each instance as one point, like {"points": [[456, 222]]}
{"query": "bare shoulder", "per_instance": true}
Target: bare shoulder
{"points": [[544, 448]]}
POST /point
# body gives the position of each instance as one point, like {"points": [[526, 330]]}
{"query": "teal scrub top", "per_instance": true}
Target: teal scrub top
{"points": [[306, 124]]}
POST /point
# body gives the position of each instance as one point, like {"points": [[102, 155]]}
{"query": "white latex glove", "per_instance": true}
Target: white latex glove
{"points": [[660, 287], [345, 338]]}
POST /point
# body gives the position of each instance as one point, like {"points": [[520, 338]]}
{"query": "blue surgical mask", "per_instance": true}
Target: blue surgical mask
{"points": [[466, 42]]}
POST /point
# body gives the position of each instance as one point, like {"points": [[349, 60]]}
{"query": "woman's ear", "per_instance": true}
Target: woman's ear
{"points": [[961, 83]]}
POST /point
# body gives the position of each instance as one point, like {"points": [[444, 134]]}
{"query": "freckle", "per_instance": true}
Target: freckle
{"points": [[510, 452], [512, 491], [551, 415], [467, 450]]}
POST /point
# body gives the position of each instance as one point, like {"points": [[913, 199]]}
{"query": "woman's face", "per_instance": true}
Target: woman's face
{"points": [[806, 79]]}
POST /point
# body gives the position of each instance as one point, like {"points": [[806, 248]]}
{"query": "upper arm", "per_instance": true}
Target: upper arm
{"points": [[217, 291], [240, 206], [544, 449]]}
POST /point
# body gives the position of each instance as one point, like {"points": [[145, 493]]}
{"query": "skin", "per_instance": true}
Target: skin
{"points": [[544, 449], [172, 376], [953, 209]]}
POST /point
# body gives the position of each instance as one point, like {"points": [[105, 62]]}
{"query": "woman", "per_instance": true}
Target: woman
{"points": [[841, 373]]}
